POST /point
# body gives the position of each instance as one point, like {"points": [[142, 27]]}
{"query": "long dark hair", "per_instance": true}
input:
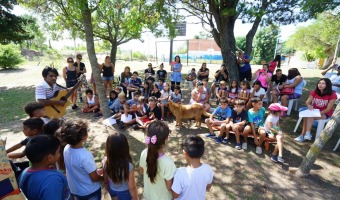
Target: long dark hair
{"points": [[278, 60], [115, 93], [203, 65], [292, 73], [118, 158], [161, 131], [328, 90], [179, 59], [236, 91]]}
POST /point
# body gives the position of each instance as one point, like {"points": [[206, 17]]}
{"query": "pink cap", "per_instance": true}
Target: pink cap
{"points": [[277, 107]]}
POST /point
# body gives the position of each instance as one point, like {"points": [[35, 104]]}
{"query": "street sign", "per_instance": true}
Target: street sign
{"points": [[181, 28]]}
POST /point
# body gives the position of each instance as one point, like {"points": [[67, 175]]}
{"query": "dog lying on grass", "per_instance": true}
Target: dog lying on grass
{"points": [[187, 112]]}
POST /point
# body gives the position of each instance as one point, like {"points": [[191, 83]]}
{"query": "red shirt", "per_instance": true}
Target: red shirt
{"points": [[322, 102]]}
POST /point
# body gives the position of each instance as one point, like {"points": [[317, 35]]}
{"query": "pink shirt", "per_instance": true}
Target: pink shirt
{"points": [[321, 103], [262, 79]]}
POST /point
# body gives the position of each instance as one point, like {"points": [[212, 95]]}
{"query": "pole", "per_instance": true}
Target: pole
{"points": [[156, 54], [171, 46], [187, 52], [277, 40]]}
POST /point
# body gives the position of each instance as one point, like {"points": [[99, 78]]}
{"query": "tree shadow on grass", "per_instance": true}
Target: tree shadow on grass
{"points": [[11, 71]]}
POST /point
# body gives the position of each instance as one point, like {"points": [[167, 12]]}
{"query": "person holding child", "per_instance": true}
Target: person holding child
{"points": [[264, 76], [273, 130], [81, 169], [40, 181], [157, 168], [200, 96], [193, 181], [220, 116], [256, 116], [277, 79], [220, 75], [322, 98], [238, 123], [119, 176]]}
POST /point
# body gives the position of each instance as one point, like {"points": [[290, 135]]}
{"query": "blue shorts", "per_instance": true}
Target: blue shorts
{"points": [[109, 78], [97, 195], [294, 96], [124, 195]]}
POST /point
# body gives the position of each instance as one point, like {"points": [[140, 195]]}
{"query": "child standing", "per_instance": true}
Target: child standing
{"points": [[176, 96], [244, 92], [256, 119], [193, 181], [36, 109], [40, 181], [165, 93], [31, 127], [222, 114], [119, 175], [272, 127], [222, 91], [82, 177], [233, 92], [157, 168], [238, 123]]}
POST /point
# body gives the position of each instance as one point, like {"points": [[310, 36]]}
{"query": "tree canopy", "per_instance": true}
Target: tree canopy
{"points": [[265, 43], [11, 26], [318, 39]]}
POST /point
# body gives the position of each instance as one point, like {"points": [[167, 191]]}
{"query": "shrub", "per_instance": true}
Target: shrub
{"points": [[10, 56]]}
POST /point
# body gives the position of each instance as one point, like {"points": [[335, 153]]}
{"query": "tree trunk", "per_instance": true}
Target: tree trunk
{"points": [[86, 15], [113, 53], [319, 143], [250, 36], [227, 45], [328, 61]]}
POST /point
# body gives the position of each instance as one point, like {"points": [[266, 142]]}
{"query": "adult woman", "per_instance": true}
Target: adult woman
{"points": [[124, 79], [322, 98], [176, 75], [220, 75], [203, 72], [264, 76], [277, 79], [200, 95], [295, 81], [149, 71], [70, 74], [108, 69], [243, 61], [275, 63]]}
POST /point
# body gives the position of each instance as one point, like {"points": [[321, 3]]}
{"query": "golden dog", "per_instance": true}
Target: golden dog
{"points": [[187, 112]]}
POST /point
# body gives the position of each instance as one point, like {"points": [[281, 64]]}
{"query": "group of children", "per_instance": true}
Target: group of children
{"points": [[62, 168], [251, 122]]}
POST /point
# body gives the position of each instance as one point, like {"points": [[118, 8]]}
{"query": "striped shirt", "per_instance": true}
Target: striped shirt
{"points": [[44, 91]]}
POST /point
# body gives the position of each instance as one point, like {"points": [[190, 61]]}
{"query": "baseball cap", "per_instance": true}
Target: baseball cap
{"points": [[277, 107]]}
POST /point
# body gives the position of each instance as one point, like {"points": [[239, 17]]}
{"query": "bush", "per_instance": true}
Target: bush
{"points": [[10, 56]]}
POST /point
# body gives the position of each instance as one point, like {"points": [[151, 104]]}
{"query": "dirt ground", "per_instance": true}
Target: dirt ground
{"points": [[237, 174]]}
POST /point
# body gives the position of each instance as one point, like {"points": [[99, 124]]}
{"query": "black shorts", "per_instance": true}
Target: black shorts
{"points": [[71, 83], [245, 75]]}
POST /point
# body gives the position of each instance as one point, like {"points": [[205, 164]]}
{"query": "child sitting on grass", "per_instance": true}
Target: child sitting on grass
{"points": [[238, 123], [193, 181], [82, 177], [91, 104], [272, 127], [36, 109], [176, 96], [220, 116], [256, 117], [158, 169], [153, 113], [31, 127], [40, 181]]}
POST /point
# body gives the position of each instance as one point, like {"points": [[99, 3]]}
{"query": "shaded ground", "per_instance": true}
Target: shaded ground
{"points": [[238, 174]]}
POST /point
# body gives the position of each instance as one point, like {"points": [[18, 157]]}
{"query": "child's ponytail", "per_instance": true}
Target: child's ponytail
{"points": [[157, 134]]}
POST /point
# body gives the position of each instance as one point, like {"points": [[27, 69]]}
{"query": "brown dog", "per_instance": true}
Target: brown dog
{"points": [[187, 112]]}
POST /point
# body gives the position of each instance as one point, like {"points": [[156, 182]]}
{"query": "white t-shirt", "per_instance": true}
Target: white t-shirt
{"points": [[273, 119], [79, 164], [45, 91], [191, 183], [258, 93]]}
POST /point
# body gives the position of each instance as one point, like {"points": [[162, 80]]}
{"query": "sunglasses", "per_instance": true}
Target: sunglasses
{"points": [[80, 58], [70, 61]]}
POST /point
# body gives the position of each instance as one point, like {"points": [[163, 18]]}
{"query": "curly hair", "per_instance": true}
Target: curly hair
{"points": [[72, 132]]}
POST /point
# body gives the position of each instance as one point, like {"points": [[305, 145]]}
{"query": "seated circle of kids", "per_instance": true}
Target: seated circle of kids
{"points": [[238, 124]]}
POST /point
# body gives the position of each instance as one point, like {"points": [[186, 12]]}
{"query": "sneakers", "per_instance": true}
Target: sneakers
{"points": [[299, 138], [280, 159], [274, 158], [258, 150], [98, 115], [74, 107], [238, 146], [225, 141], [210, 135], [308, 136], [219, 140], [244, 146]]}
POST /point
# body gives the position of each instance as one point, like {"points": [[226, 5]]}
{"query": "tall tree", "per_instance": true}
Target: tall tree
{"points": [[220, 17], [318, 39], [36, 32], [265, 43], [12, 26]]}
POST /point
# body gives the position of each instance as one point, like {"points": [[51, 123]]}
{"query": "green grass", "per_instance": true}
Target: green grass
{"points": [[12, 102]]}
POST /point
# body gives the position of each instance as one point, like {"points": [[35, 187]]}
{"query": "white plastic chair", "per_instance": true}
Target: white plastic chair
{"points": [[337, 145], [320, 127], [292, 101]]}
